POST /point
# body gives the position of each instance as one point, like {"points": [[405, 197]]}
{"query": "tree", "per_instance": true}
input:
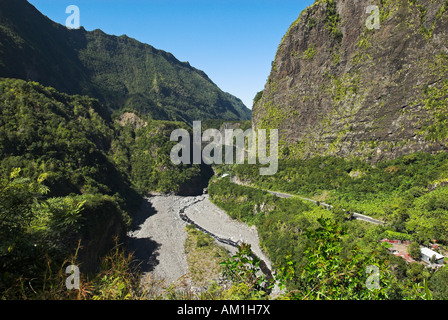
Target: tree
{"points": [[414, 250], [245, 273], [327, 275], [438, 284], [17, 197]]}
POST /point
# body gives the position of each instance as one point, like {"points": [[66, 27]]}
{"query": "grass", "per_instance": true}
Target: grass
{"points": [[310, 52], [204, 256]]}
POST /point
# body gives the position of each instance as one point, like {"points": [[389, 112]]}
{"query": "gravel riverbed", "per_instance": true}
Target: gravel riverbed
{"points": [[159, 234]]}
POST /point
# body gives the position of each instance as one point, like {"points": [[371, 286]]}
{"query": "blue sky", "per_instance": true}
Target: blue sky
{"points": [[233, 41]]}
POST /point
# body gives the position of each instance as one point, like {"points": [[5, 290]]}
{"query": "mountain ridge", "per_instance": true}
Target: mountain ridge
{"points": [[120, 71]]}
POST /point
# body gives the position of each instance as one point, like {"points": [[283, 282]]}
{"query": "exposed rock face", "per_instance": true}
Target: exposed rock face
{"points": [[338, 88], [135, 121]]}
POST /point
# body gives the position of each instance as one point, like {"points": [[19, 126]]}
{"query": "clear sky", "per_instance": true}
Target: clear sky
{"points": [[233, 41]]}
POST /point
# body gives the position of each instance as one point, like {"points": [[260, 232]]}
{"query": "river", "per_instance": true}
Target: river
{"points": [[158, 235]]}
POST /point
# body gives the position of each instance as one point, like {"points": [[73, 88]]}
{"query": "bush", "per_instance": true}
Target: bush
{"points": [[414, 251]]}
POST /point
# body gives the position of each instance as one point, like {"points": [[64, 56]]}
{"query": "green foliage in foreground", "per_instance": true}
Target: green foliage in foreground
{"points": [[116, 279], [327, 275], [330, 275], [297, 241], [39, 268], [243, 269], [36, 232]]}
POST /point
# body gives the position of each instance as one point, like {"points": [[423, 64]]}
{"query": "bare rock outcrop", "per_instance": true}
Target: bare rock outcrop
{"points": [[339, 87]]}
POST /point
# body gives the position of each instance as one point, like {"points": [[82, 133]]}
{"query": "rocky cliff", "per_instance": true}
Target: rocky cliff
{"points": [[339, 86]]}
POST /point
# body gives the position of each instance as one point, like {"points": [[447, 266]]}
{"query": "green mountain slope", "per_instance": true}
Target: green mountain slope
{"points": [[82, 176], [64, 142], [119, 71], [74, 141], [66, 137]]}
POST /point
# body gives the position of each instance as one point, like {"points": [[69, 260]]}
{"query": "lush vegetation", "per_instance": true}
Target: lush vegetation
{"points": [[159, 84], [66, 138], [69, 163], [321, 254], [39, 237], [74, 141], [408, 192], [326, 275], [79, 168], [279, 221], [65, 168], [119, 71]]}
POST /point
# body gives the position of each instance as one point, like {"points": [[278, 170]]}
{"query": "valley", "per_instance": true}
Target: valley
{"points": [[357, 129]]}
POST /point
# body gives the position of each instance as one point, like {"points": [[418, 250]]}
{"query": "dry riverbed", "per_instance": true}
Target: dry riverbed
{"points": [[159, 234]]}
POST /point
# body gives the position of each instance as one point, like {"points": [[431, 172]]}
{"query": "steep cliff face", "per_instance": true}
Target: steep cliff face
{"points": [[339, 87]]}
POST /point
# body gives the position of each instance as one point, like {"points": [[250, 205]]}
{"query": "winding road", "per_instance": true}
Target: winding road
{"points": [[355, 215]]}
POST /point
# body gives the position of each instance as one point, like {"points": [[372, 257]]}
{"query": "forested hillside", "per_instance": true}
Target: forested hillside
{"points": [[408, 193], [85, 124], [119, 71], [84, 136], [69, 171]]}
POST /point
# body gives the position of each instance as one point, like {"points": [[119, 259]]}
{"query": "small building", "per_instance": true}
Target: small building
{"points": [[428, 255]]}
